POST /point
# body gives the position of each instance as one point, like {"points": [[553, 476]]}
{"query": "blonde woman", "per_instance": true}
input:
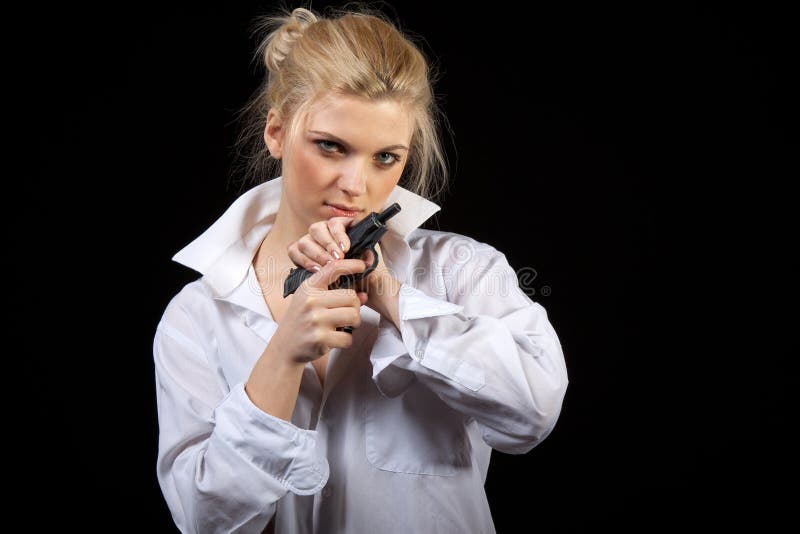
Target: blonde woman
{"points": [[271, 416]]}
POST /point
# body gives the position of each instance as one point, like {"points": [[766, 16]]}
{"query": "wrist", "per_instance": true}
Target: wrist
{"points": [[279, 357], [384, 297]]}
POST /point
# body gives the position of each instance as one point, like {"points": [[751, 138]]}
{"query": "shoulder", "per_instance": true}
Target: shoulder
{"points": [[450, 247], [190, 307], [467, 272], [421, 238]]}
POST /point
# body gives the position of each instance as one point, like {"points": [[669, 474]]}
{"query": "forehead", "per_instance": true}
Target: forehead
{"points": [[360, 120]]}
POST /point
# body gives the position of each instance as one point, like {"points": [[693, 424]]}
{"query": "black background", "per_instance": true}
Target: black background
{"points": [[638, 157]]}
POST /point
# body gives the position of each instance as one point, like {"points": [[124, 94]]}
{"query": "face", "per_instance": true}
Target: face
{"points": [[349, 152]]}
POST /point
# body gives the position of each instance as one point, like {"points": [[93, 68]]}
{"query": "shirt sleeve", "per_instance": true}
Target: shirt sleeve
{"points": [[487, 351], [223, 463]]}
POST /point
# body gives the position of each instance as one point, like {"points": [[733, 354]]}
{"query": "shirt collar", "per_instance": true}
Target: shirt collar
{"points": [[225, 251]]}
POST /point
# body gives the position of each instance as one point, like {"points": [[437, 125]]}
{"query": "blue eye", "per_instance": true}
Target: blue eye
{"points": [[392, 158], [323, 142]]}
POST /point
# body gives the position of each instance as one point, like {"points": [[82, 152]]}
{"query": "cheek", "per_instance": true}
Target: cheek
{"points": [[306, 171], [380, 192], [386, 188]]}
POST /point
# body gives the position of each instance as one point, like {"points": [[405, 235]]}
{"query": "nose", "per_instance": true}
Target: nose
{"points": [[353, 178]]}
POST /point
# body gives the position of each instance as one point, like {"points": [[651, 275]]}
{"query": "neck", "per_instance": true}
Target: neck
{"points": [[271, 259], [286, 230]]}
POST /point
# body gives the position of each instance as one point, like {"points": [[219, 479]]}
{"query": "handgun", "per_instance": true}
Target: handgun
{"points": [[363, 236]]}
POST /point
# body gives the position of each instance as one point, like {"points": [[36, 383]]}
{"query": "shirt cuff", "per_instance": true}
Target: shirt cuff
{"points": [[414, 304], [438, 352], [393, 350], [277, 447], [390, 380]]}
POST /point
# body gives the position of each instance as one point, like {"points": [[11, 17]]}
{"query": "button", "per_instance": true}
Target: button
{"points": [[244, 318], [420, 353], [326, 492]]}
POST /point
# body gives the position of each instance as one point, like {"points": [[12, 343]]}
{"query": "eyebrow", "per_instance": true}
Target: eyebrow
{"points": [[343, 143]]}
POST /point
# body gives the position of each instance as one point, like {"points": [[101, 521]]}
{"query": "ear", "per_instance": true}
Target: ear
{"points": [[273, 134]]}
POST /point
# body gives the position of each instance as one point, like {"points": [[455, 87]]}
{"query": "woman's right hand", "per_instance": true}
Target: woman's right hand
{"points": [[308, 328]]}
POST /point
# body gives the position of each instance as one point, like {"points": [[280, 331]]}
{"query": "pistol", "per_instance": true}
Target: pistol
{"points": [[363, 236]]}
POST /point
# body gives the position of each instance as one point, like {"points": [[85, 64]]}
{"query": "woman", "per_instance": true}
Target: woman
{"points": [[272, 416]]}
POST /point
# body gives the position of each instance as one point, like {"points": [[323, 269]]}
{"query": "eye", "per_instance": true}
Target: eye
{"points": [[392, 158], [327, 146], [385, 159]]}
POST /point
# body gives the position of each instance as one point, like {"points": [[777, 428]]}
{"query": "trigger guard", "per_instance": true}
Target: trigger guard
{"points": [[374, 264], [357, 277]]}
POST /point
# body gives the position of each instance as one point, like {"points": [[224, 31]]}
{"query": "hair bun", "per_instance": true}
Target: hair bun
{"points": [[289, 29]]}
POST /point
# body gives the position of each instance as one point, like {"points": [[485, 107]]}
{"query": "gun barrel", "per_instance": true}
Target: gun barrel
{"points": [[388, 213]]}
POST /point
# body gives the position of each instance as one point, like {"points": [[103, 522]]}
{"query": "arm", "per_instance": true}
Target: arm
{"points": [[223, 463], [274, 383], [489, 352]]}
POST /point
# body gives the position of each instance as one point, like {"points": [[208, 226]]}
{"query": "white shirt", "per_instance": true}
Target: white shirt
{"points": [[400, 437]]}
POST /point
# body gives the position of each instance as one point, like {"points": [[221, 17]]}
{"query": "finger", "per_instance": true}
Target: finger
{"points": [[322, 235], [338, 229], [340, 317], [369, 257], [339, 298], [361, 286], [339, 339], [332, 271], [313, 251]]}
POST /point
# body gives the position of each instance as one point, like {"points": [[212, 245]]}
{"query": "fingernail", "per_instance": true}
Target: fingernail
{"points": [[316, 268], [335, 254], [341, 245]]}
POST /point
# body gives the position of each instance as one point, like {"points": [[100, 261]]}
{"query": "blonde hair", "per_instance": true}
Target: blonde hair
{"points": [[356, 51]]}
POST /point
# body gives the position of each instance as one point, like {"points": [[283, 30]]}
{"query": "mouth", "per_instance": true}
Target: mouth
{"points": [[343, 210]]}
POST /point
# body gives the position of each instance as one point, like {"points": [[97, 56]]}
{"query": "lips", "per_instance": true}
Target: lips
{"points": [[343, 207]]}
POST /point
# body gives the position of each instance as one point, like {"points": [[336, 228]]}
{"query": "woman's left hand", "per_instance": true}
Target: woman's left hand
{"points": [[380, 273], [381, 287]]}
